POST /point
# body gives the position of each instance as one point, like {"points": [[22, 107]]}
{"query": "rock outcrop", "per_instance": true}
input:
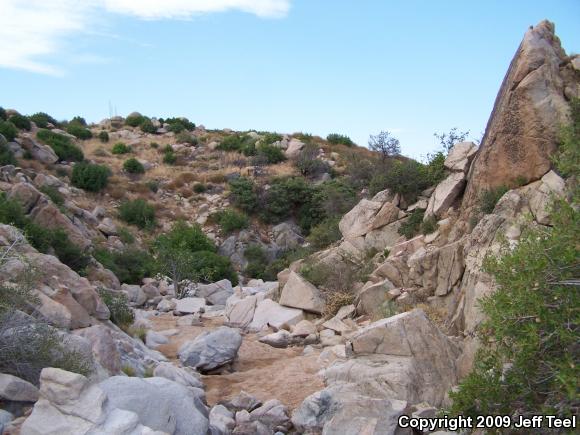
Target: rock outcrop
{"points": [[521, 134]]}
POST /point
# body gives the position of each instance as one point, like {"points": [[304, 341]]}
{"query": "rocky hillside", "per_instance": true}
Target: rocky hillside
{"points": [[161, 278]]}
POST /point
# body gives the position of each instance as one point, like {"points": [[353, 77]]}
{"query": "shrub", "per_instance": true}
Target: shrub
{"points": [[567, 160], [186, 137], [407, 178], [3, 115], [130, 265], [54, 195], [152, 185], [121, 314], [42, 120], [126, 236], [335, 301], [231, 220], [187, 237], [309, 164], [257, 261], [429, 225], [6, 156], [385, 144], [177, 125], [133, 166], [8, 130], [489, 198], [436, 168], [325, 233], [135, 120], [103, 136], [79, 131], [447, 140], [154, 145], [243, 194], [79, 120], [271, 154], [137, 212], [337, 139], [410, 228], [30, 345], [44, 239], [169, 157], [62, 145], [148, 127], [211, 267], [199, 188], [241, 143], [270, 138], [20, 121], [90, 177], [529, 362], [120, 148]]}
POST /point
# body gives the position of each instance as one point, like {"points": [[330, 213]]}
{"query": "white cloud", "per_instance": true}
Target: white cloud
{"points": [[163, 9], [33, 33]]}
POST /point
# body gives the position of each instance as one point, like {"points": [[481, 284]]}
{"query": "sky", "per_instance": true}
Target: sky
{"points": [[410, 67]]}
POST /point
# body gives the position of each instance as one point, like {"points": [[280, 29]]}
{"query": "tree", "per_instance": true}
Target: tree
{"points": [[385, 144], [447, 140]]}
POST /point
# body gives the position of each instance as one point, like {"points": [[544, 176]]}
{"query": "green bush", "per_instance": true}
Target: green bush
{"points": [[152, 185], [126, 236], [231, 220], [567, 160], [44, 239], [90, 177], [3, 115], [130, 265], [177, 125], [408, 178], [8, 130], [67, 252], [62, 145], [79, 120], [489, 198], [135, 120], [121, 314], [54, 195], [186, 137], [257, 262], [103, 136], [188, 237], [138, 212], [240, 143], [270, 138], [529, 362], [325, 233], [148, 127], [243, 194], [133, 166], [211, 267], [309, 164], [412, 225], [169, 157], [337, 139], [154, 145], [42, 120], [6, 156], [429, 225], [199, 188], [271, 154], [120, 148], [79, 131], [20, 121]]}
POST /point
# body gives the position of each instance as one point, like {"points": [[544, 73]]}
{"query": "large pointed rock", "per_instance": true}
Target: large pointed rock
{"points": [[367, 216], [521, 133], [299, 293], [460, 156]]}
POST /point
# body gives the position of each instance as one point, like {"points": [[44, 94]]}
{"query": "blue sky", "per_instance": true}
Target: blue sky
{"points": [[352, 67]]}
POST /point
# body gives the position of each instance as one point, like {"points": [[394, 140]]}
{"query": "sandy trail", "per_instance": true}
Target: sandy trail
{"points": [[261, 370]]}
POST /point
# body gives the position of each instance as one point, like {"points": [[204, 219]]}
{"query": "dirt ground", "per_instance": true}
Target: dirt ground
{"points": [[261, 370]]}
